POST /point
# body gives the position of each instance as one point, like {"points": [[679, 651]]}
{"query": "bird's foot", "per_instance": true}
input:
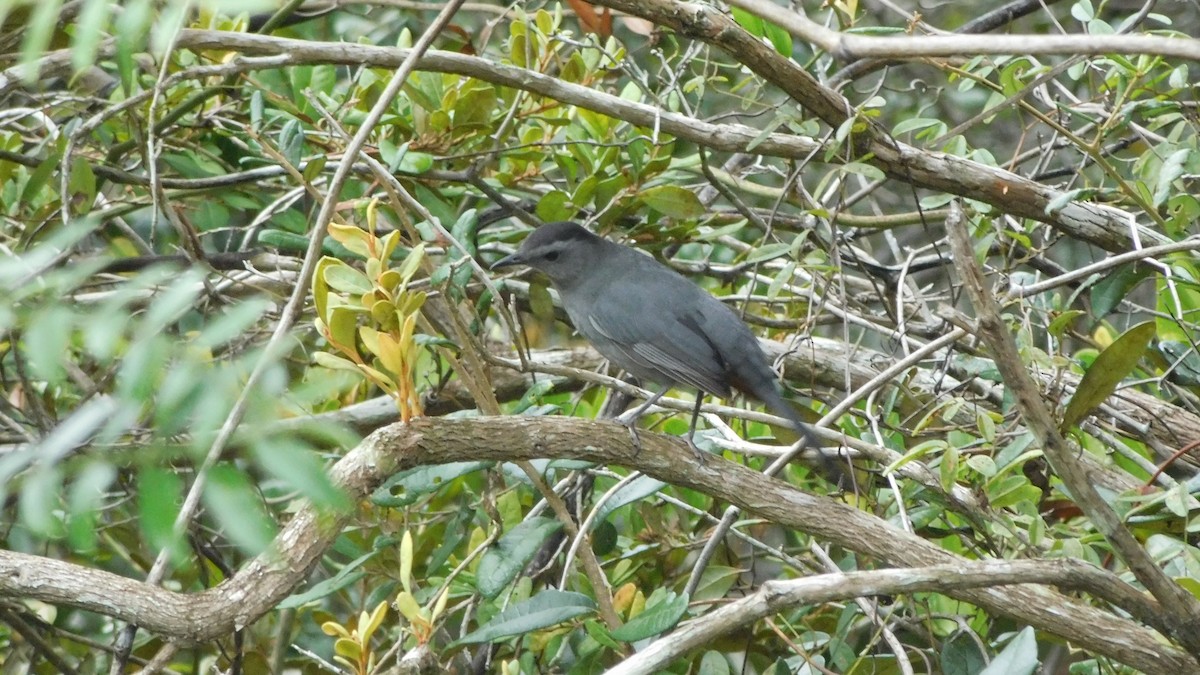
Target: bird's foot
{"points": [[630, 424], [701, 456]]}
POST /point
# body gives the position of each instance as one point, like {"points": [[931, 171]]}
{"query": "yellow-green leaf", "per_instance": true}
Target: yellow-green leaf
{"points": [[334, 629], [1110, 367], [411, 263], [406, 560], [334, 362], [389, 280], [348, 648], [343, 323], [440, 605], [407, 605], [345, 278], [320, 288], [354, 238], [673, 201], [410, 303], [373, 621], [390, 354], [384, 314], [390, 240], [370, 338]]}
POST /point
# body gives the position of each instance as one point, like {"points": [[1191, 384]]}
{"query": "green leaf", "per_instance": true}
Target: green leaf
{"points": [[1107, 293], [86, 496], [334, 362], [314, 167], [555, 205], [1111, 366], [543, 610], [92, 21], [673, 201], [343, 326], [233, 500], [77, 429], [637, 490], [715, 582], [231, 323], [82, 183], [657, 619], [284, 241], [347, 576], [913, 124], [1012, 491], [299, 468], [961, 656], [767, 252], [37, 180], [714, 663], [540, 301], [39, 500], [1063, 321], [1018, 658], [346, 279], [39, 29], [1184, 361], [406, 487], [1171, 170], [412, 263], [46, 341], [506, 558], [159, 494], [169, 305], [862, 169], [1061, 200], [751, 22], [780, 39]]}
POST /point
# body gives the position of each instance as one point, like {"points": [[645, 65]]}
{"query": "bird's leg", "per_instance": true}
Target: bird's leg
{"points": [[630, 418], [700, 456]]}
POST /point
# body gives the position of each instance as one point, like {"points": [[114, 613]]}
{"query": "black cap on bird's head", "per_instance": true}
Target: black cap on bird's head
{"points": [[558, 249]]}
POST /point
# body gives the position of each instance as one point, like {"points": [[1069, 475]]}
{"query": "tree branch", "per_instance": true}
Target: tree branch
{"points": [[1182, 607], [847, 47], [1104, 226], [777, 596], [272, 576]]}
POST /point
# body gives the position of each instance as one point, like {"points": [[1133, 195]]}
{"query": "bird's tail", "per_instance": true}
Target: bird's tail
{"points": [[779, 405]]}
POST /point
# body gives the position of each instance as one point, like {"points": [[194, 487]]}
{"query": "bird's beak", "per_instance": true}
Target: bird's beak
{"points": [[507, 261]]}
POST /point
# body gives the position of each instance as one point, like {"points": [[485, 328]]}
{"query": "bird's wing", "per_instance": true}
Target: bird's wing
{"points": [[659, 339]]}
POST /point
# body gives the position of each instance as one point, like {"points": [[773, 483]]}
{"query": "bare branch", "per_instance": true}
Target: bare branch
{"points": [[266, 580]]}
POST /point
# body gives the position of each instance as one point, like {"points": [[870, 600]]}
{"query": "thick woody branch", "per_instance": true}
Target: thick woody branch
{"points": [[816, 363], [1102, 226], [274, 575], [777, 596], [846, 47]]}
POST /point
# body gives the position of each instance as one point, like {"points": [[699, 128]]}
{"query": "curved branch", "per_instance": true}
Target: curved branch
{"points": [[272, 576], [846, 47], [777, 596], [1104, 226]]}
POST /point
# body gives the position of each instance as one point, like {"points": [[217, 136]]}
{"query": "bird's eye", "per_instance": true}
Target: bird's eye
{"points": [[552, 256]]}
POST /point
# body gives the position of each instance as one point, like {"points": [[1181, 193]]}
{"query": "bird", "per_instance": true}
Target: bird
{"points": [[652, 322]]}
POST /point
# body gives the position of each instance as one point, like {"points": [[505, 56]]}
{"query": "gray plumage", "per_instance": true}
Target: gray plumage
{"points": [[650, 320]]}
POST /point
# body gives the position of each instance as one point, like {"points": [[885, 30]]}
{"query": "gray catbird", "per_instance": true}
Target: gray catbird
{"points": [[651, 321]]}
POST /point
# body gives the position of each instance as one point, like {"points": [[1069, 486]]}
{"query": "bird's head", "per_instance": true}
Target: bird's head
{"points": [[561, 251]]}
